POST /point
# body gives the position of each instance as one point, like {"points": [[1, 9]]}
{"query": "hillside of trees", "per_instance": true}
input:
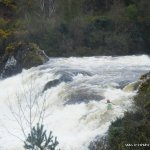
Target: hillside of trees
{"points": [[77, 27]]}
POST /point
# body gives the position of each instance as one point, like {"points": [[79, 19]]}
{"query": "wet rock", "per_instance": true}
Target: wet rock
{"points": [[51, 84], [10, 67], [56, 82], [132, 86], [64, 78]]}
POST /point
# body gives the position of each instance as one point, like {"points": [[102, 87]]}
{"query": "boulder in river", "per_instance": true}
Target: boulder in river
{"points": [[132, 86], [50, 84]]}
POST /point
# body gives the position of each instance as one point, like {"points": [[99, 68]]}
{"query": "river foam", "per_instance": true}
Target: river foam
{"points": [[77, 110]]}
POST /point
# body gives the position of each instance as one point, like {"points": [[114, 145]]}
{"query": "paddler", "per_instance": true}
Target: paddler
{"points": [[109, 105]]}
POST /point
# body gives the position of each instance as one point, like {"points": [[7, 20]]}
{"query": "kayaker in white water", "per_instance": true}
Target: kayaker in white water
{"points": [[109, 105]]}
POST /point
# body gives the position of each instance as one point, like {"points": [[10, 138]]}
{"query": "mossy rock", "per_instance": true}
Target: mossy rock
{"points": [[15, 47], [31, 60], [27, 55]]}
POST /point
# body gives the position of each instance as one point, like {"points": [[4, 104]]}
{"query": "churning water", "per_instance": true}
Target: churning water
{"points": [[75, 90]]}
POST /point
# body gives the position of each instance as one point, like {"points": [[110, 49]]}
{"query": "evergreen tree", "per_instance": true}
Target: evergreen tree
{"points": [[38, 139]]}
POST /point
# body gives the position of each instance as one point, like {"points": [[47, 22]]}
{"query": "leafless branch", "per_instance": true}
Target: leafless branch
{"points": [[29, 109]]}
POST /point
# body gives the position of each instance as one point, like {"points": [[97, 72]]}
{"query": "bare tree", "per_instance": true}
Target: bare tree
{"points": [[29, 109], [48, 6]]}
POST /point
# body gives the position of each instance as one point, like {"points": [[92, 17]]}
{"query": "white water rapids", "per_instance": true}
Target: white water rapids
{"points": [[77, 110]]}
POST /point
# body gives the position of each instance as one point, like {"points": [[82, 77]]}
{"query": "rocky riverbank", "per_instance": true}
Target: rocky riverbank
{"points": [[20, 55], [134, 127]]}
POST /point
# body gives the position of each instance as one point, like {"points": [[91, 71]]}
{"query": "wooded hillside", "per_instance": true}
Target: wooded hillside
{"points": [[77, 28]]}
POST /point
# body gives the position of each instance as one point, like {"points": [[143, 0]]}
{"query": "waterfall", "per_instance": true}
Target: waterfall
{"points": [[76, 90]]}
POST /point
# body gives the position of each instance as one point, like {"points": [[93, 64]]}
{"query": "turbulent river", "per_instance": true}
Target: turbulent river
{"points": [[76, 94]]}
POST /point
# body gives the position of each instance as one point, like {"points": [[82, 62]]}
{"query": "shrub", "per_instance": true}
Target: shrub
{"points": [[132, 11], [4, 34]]}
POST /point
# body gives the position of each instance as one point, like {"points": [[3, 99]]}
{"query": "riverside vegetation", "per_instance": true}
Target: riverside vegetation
{"points": [[134, 127], [77, 28]]}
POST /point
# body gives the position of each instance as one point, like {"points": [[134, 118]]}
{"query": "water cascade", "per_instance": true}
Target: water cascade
{"points": [[76, 90]]}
